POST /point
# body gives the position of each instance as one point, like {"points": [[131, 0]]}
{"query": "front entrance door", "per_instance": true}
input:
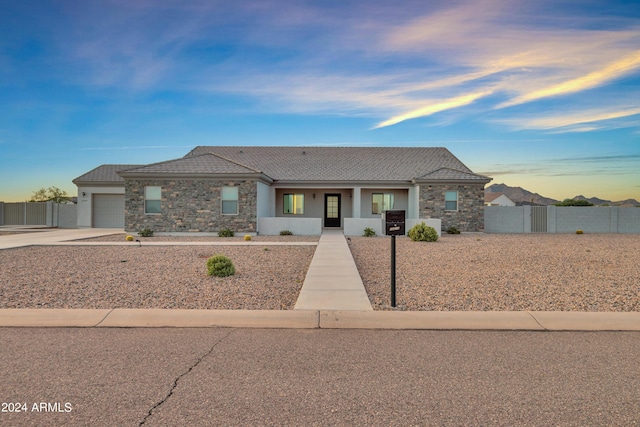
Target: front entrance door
{"points": [[332, 210]]}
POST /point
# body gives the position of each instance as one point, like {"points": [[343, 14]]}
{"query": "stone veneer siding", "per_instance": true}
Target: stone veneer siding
{"points": [[190, 205], [470, 213]]}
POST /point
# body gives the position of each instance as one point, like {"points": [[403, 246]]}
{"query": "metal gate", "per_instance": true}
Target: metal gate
{"points": [[24, 213], [538, 219]]}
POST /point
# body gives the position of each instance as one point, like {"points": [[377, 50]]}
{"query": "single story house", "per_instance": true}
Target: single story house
{"points": [[498, 199], [266, 189]]}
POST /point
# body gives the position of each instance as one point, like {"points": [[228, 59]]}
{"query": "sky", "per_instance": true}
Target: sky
{"points": [[539, 94]]}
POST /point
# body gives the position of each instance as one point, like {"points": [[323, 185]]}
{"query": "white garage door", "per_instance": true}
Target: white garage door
{"points": [[108, 210]]}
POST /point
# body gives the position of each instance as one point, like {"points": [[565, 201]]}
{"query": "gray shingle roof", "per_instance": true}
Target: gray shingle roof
{"points": [[447, 174], [206, 163], [104, 174], [345, 163], [303, 164]]}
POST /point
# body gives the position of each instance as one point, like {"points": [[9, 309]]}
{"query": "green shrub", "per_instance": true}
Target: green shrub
{"points": [[286, 233], [453, 230], [579, 232], [145, 232], [369, 232], [423, 233], [226, 232], [220, 266]]}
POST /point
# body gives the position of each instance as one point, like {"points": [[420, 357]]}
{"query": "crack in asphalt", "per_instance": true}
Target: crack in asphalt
{"points": [[177, 380]]}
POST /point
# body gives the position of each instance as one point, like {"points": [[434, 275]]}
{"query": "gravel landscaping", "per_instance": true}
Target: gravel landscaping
{"points": [[491, 272], [474, 271], [151, 277]]}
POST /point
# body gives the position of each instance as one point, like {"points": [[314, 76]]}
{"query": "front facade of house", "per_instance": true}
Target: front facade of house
{"points": [[301, 189]]}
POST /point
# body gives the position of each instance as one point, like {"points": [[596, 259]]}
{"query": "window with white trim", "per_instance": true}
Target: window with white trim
{"points": [[229, 198], [293, 204], [451, 201], [152, 199], [381, 202]]}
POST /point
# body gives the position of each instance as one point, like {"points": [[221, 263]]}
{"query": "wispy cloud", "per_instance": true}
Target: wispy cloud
{"points": [[136, 147], [433, 108], [388, 64], [576, 121], [589, 81]]}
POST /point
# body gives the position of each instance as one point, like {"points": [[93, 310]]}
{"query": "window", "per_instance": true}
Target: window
{"points": [[451, 201], [152, 197], [381, 202], [293, 204], [229, 200]]}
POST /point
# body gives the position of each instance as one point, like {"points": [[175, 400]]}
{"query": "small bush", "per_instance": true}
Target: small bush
{"points": [[423, 233], [226, 232], [579, 232], [453, 230], [286, 233], [129, 238], [247, 237], [145, 232], [369, 232], [220, 266]]}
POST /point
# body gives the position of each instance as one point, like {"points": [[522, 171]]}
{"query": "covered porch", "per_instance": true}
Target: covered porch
{"points": [[308, 209]]}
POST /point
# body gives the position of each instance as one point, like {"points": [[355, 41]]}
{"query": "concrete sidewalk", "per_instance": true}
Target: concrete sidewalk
{"points": [[332, 281], [322, 319]]}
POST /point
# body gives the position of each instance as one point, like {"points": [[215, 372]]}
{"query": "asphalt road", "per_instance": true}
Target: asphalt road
{"points": [[159, 377]]}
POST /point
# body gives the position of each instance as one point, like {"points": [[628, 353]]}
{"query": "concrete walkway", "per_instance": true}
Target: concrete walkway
{"points": [[44, 236], [333, 281]]}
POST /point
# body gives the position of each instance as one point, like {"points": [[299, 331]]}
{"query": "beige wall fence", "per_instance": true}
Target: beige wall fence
{"points": [[561, 219], [47, 214]]}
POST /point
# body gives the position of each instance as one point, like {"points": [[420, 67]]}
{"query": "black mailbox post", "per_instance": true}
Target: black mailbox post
{"points": [[393, 226], [394, 223]]}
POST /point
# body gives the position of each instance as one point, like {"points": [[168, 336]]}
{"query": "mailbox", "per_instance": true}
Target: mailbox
{"points": [[394, 223]]}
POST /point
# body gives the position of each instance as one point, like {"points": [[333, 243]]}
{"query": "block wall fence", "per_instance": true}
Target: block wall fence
{"points": [[562, 219]]}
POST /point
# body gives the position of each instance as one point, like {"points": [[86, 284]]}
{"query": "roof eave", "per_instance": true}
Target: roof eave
{"points": [[351, 183], [210, 176], [484, 180], [81, 183]]}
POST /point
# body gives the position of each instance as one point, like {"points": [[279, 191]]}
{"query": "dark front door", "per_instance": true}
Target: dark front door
{"points": [[332, 210]]}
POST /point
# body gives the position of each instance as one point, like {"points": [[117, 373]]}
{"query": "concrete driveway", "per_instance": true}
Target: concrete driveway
{"points": [[33, 236]]}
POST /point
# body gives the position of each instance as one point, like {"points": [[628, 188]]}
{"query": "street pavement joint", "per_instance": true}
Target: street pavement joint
{"points": [[536, 320], [104, 318]]}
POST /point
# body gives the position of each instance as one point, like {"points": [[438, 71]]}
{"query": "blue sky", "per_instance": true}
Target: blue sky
{"points": [[543, 95]]}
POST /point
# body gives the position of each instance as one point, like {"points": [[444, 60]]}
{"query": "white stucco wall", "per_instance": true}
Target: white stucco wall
{"points": [[272, 226], [263, 202], [356, 226], [85, 197]]}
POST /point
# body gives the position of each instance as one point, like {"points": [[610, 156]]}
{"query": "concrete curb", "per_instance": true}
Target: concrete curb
{"points": [[322, 319], [170, 243]]}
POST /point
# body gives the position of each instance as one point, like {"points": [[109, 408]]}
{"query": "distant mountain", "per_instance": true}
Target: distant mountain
{"points": [[594, 200], [629, 203], [521, 196]]}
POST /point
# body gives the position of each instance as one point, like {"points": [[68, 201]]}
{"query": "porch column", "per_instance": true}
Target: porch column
{"points": [[356, 201], [272, 201], [413, 204]]}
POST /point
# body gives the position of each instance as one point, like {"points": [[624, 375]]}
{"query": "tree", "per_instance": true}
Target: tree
{"points": [[573, 202], [53, 194]]}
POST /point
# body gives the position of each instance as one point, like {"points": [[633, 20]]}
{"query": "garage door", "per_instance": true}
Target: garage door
{"points": [[108, 210]]}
